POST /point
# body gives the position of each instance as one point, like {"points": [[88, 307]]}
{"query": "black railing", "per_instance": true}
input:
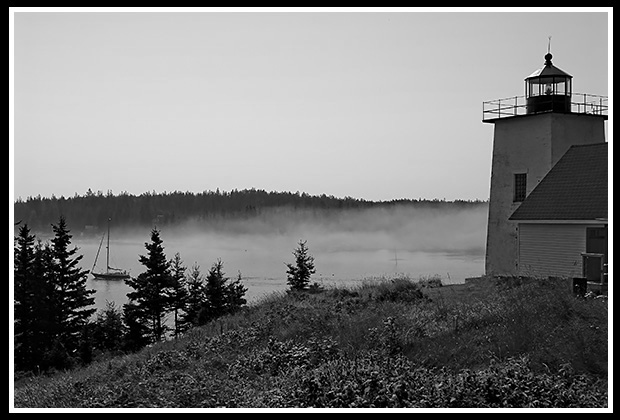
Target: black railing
{"points": [[580, 103]]}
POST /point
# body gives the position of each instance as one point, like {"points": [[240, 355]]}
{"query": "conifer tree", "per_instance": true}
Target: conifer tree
{"points": [[235, 294], [136, 322], [24, 299], [221, 295], [108, 329], [152, 288], [298, 274], [72, 301], [215, 292], [43, 326], [178, 292], [195, 287]]}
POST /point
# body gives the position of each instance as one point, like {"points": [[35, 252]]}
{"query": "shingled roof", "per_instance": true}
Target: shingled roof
{"points": [[574, 189]]}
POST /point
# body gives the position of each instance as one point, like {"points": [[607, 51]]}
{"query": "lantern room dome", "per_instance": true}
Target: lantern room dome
{"points": [[548, 70]]}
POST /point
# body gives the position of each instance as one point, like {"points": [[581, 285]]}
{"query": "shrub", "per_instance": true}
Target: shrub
{"points": [[430, 281], [397, 290]]}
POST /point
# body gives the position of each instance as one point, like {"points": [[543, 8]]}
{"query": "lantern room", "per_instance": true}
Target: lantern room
{"points": [[548, 89]]}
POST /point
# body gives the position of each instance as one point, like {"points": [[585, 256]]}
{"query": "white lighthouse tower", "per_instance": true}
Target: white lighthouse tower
{"points": [[531, 133]]}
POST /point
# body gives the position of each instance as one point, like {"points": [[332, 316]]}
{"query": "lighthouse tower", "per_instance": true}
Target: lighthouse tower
{"points": [[531, 133]]}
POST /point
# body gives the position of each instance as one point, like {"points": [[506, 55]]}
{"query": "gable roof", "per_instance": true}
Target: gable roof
{"points": [[574, 189]]}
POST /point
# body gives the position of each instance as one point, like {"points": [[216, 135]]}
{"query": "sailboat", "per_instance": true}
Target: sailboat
{"points": [[110, 273]]}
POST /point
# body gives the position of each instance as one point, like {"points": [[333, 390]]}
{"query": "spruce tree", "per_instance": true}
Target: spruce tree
{"points": [[108, 329], [24, 306], [43, 325], [235, 294], [136, 322], [215, 292], [195, 287], [72, 301], [150, 299], [222, 296], [298, 274], [178, 292]]}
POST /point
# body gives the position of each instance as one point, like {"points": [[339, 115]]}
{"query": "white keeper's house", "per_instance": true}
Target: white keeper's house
{"points": [[562, 223]]}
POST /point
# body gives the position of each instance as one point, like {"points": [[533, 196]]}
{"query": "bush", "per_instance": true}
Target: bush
{"points": [[430, 281], [400, 289]]}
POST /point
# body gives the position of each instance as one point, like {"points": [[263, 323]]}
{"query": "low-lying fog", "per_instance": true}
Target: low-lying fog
{"points": [[348, 246]]}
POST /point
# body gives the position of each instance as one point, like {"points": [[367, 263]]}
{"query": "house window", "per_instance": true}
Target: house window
{"points": [[519, 187], [596, 240]]}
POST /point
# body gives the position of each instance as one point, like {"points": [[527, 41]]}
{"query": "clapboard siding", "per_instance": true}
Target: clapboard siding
{"points": [[551, 249]]}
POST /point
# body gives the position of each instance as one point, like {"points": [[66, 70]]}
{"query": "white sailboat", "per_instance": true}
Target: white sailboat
{"points": [[110, 273]]}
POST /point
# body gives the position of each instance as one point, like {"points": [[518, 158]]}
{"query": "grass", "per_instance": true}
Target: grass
{"points": [[388, 343]]}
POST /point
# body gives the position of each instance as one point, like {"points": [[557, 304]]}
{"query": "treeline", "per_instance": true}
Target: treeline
{"points": [[92, 210], [54, 327]]}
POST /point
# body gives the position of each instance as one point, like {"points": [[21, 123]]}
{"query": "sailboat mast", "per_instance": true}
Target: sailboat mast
{"points": [[97, 256], [107, 260]]}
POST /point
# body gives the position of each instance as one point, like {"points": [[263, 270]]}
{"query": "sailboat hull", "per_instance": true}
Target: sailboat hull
{"points": [[110, 276]]}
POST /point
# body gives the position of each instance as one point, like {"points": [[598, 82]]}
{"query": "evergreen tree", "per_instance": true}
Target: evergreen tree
{"points": [[215, 292], [136, 322], [72, 302], [298, 274], [221, 296], [24, 299], [43, 325], [235, 294], [178, 292], [85, 344], [195, 287], [108, 329], [152, 289]]}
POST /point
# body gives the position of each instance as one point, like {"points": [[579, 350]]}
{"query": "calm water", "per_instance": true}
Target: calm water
{"points": [[347, 248], [263, 270]]}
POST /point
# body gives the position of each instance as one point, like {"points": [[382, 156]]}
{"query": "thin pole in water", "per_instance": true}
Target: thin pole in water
{"points": [[107, 260]]}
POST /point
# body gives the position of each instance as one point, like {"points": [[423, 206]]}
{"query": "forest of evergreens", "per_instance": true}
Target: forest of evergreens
{"points": [[53, 308], [92, 210]]}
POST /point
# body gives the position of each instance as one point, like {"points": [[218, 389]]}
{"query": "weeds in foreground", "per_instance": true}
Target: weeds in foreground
{"points": [[373, 381], [395, 343]]}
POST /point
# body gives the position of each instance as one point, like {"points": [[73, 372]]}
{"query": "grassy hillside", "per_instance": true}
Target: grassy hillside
{"points": [[393, 343]]}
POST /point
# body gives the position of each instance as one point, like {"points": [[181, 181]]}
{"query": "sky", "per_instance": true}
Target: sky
{"points": [[376, 104]]}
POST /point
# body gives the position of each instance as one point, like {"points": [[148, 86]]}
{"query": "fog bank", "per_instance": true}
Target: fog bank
{"points": [[348, 245]]}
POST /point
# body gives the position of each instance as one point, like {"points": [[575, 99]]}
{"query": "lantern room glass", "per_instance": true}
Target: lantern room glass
{"points": [[550, 85]]}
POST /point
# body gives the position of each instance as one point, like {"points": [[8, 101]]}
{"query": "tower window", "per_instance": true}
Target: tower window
{"points": [[520, 186]]}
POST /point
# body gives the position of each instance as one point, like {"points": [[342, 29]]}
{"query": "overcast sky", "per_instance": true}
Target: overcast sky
{"points": [[374, 105]]}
